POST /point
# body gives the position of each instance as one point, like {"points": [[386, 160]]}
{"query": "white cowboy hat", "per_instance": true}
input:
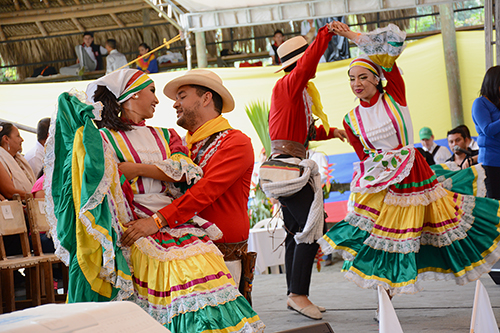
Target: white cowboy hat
{"points": [[201, 77], [291, 51]]}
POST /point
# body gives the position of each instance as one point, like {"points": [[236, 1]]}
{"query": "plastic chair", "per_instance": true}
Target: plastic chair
{"points": [[38, 224], [12, 222], [271, 224]]}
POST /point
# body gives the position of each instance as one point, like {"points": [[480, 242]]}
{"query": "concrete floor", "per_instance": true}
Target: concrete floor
{"points": [[441, 307]]}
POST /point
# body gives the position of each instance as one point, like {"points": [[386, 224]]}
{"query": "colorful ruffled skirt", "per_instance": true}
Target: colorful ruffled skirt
{"points": [[466, 181], [181, 280], [416, 230]]}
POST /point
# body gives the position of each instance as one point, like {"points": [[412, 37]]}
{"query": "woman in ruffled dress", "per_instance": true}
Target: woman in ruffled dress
{"points": [[98, 180], [402, 226]]}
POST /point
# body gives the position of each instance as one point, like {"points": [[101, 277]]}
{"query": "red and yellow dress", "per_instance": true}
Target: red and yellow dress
{"points": [[402, 226]]}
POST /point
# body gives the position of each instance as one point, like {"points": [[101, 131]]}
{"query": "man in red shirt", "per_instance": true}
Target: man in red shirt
{"points": [[226, 157], [291, 126]]}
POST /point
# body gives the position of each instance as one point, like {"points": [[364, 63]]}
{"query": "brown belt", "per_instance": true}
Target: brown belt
{"points": [[233, 251], [288, 147]]}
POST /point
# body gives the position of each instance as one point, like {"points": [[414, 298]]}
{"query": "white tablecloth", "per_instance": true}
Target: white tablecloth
{"points": [[81, 317], [266, 242]]}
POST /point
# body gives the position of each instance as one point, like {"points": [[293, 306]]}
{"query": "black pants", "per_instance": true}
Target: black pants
{"points": [[299, 258], [492, 181]]}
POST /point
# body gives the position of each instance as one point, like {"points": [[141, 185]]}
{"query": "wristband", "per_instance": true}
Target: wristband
{"points": [[157, 221]]}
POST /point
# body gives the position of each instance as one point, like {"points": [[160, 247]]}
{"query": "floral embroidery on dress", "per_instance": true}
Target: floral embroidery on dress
{"points": [[384, 169]]}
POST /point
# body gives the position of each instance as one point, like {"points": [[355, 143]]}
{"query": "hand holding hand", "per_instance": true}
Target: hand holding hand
{"points": [[340, 134], [137, 229], [338, 27]]}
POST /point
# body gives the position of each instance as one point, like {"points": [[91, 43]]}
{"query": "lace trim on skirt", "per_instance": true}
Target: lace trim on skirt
{"points": [[326, 248], [195, 302], [421, 198]]}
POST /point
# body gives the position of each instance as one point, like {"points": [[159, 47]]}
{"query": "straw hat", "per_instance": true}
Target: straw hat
{"points": [[201, 77], [291, 51]]}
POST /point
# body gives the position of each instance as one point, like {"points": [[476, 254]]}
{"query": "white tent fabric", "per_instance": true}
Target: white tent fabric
{"points": [[204, 15], [210, 5]]}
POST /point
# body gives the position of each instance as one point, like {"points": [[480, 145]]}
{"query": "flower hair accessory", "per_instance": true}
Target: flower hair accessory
{"points": [[97, 110]]}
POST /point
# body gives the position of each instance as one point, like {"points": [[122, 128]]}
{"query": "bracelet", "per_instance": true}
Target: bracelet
{"points": [[157, 221]]}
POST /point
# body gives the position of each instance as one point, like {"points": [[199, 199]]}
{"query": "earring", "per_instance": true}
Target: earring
{"points": [[136, 96], [8, 146]]}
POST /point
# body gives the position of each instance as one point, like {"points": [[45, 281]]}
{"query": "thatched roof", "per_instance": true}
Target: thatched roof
{"points": [[43, 32], [33, 31]]}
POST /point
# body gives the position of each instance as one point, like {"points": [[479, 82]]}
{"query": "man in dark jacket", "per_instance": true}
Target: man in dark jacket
{"points": [[89, 57]]}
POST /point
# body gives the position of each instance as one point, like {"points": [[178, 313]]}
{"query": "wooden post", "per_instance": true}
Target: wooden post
{"points": [[488, 32], [201, 49], [451, 63], [146, 33], [188, 51], [497, 29]]}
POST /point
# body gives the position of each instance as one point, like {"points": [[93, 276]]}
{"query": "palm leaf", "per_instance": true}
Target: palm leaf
{"points": [[258, 113]]}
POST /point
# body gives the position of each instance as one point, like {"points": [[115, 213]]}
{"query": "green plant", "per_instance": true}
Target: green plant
{"points": [[259, 206], [7, 73], [258, 113]]}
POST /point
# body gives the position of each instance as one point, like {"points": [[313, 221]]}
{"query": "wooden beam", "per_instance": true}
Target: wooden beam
{"points": [[488, 33], [16, 5], [61, 3], [46, 3], [2, 34], [77, 2], [78, 24], [446, 16], [65, 13], [497, 30], [117, 20], [68, 32], [146, 20], [41, 28], [201, 49], [27, 4]]}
